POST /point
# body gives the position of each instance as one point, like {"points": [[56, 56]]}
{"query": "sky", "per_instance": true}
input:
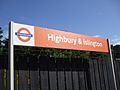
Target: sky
{"points": [[100, 18]]}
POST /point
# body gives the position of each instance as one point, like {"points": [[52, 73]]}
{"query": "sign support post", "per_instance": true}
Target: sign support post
{"points": [[113, 70], [11, 53]]}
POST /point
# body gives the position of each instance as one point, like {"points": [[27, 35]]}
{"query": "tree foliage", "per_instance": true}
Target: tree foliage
{"points": [[116, 51], [1, 36], [51, 52]]}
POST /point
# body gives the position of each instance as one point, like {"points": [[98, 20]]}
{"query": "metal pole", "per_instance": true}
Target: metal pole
{"points": [[110, 52], [11, 53]]}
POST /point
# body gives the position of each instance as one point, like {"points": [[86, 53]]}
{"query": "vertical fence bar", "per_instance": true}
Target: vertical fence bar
{"points": [[117, 71], [92, 74], [34, 73], [16, 72], [81, 75], [97, 75], [75, 73], [101, 74], [23, 72], [44, 74], [60, 71], [52, 74], [68, 75]]}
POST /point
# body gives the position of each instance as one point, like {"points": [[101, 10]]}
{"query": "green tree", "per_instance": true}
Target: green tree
{"points": [[5, 42], [1, 36], [116, 51], [1, 41]]}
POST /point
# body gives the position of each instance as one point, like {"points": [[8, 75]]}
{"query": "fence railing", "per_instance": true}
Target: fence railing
{"points": [[48, 73]]}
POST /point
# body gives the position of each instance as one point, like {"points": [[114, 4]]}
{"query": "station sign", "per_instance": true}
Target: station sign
{"points": [[27, 35]]}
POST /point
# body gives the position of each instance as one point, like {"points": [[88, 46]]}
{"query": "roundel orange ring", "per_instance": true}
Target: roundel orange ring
{"points": [[28, 32]]}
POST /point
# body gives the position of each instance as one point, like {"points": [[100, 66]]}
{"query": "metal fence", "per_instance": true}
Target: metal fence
{"points": [[48, 73]]}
